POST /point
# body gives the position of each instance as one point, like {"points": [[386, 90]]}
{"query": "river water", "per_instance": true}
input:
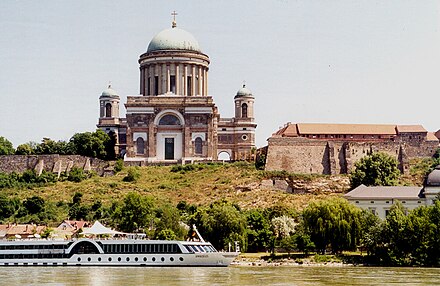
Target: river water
{"points": [[235, 275]]}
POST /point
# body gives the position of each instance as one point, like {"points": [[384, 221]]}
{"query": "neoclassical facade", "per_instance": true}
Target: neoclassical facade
{"points": [[174, 119]]}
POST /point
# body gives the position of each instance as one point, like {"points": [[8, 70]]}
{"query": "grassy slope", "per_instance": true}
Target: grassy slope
{"points": [[206, 184], [212, 182]]}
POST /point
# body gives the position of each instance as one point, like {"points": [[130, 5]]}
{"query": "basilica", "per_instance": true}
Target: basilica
{"points": [[174, 119]]}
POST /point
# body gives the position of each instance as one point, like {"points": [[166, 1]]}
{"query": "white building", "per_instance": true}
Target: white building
{"points": [[379, 199]]}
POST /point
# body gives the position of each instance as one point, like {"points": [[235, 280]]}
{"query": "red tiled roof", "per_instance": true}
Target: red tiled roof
{"points": [[410, 128]]}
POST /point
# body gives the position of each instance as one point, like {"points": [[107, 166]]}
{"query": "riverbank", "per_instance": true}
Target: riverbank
{"points": [[267, 260]]}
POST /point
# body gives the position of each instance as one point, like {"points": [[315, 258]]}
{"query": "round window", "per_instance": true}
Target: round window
{"points": [[145, 259], [154, 259], [162, 259], [244, 137], [109, 259], [79, 258], [119, 259], [136, 259], [89, 259], [99, 258], [181, 258], [171, 258]]}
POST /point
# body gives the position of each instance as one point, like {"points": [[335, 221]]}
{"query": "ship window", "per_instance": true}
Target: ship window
{"points": [[136, 259], [79, 259], [171, 258], [181, 258], [154, 259], [99, 259], [162, 259], [109, 259], [84, 247], [89, 259], [145, 259], [119, 258], [128, 259]]}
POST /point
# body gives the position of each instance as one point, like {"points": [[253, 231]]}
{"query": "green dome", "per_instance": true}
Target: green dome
{"points": [[109, 92], [244, 91], [174, 39]]}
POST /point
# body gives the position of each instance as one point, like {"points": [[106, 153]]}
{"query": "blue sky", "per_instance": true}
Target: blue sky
{"points": [[305, 61]]}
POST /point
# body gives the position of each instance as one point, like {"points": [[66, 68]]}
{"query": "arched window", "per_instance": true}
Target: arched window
{"points": [[198, 145], [224, 156], [108, 110], [140, 146], [169, 120], [244, 110]]}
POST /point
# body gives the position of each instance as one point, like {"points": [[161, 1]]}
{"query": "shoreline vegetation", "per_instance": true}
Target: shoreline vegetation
{"points": [[300, 259]]}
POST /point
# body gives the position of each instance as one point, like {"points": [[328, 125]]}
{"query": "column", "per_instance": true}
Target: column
{"points": [[206, 82], [142, 81], [177, 73], [168, 79], [164, 79], [200, 82], [185, 81], [193, 80]]}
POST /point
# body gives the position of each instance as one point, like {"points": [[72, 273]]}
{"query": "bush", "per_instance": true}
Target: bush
{"points": [[76, 175], [119, 165], [132, 176]]}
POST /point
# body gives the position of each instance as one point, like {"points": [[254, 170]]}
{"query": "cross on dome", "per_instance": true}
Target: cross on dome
{"points": [[174, 24]]}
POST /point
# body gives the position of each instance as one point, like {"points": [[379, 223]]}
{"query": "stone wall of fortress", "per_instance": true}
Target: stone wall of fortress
{"points": [[302, 155], [51, 163]]}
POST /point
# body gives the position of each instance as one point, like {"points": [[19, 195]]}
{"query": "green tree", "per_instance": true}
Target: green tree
{"points": [[135, 212], [379, 169], [6, 147], [6, 207], [24, 149], [168, 219], [333, 223], [166, 234], [34, 205], [259, 233], [92, 144], [221, 223]]}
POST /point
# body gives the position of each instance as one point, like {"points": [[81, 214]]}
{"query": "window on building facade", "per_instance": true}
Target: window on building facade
{"points": [[148, 86], [156, 85], [173, 84], [189, 85], [169, 120], [108, 110], [198, 145], [140, 145], [244, 110]]}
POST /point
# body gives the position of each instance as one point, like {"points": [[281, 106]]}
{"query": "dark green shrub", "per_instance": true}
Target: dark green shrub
{"points": [[132, 175], [76, 175]]}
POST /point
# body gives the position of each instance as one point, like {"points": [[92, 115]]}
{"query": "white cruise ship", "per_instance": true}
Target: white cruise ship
{"points": [[112, 252]]}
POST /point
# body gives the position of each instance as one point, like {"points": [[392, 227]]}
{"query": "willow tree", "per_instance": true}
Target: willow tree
{"points": [[334, 224]]}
